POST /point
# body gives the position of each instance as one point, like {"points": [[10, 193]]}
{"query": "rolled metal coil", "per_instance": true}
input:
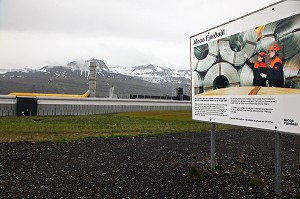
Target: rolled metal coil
{"points": [[221, 69], [292, 66], [267, 37], [234, 47], [205, 56], [246, 76], [198, 83], [288, 35], [295, 82], [285, 32]]}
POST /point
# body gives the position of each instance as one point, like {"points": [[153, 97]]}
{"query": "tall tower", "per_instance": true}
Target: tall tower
{"points": [[93, 78]]}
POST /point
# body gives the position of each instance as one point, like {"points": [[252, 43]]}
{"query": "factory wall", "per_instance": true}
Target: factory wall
{"points": [[7, 105], [88, 106]]}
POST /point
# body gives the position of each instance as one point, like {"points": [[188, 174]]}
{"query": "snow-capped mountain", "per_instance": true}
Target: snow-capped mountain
{"points": [[76, 67], [155, 74], [150, 73], [25, 69], [73, 78]]}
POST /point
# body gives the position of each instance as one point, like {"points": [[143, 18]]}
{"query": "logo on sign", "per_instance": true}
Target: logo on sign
{"points": [[209, 37], [290, 122]]}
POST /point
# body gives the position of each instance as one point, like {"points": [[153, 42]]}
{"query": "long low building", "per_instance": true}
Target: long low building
{"points": [[41, 105]]}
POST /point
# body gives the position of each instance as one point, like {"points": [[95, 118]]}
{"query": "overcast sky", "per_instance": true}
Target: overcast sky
{"points": [[36, 33]]}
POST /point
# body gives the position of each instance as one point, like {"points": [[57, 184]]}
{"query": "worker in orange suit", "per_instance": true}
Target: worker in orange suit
{"points": [[260, 69], [275, 74]]}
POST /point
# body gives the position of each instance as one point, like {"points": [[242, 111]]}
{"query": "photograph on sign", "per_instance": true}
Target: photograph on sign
{"points": [[249, 78], [257, 57]]}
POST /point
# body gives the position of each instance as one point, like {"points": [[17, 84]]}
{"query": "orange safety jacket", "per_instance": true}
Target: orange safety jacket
{"points": [[260, 65], [274, 61]]}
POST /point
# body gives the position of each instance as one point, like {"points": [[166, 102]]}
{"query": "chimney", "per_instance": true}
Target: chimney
{"points": [[93, 78], [111, 91]]}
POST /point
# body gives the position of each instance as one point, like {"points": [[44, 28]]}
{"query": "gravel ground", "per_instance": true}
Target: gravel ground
{"points": [[151, 167]]}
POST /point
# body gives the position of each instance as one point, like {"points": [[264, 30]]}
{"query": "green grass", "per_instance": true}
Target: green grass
{"points": [[67, 128], [239, 171], [195, 174], [258, 182]]}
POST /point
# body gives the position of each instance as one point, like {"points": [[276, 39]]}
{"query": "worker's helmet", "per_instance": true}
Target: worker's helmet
{"points": [[275, 47], [262, 54]]}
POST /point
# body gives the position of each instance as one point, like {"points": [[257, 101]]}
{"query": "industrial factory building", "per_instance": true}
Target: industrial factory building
{"points": [[31, 104], [178, 96]]}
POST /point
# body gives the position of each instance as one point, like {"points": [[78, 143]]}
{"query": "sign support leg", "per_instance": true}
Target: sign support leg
{"points": [[212, 146], [278, 163]]}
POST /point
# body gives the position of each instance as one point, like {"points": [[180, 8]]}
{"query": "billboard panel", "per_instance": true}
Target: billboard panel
{"points": [[247, 72]]}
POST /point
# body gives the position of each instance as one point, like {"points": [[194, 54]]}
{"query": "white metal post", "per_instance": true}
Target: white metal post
{"points": [[212, 146], [278, 163]]}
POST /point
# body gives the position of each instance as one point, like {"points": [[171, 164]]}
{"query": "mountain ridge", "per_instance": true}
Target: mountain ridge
{"points": [[148, 80]]}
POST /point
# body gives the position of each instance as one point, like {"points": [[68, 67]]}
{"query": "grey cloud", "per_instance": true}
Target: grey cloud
{"points": [[138, 19], [118, 31]]}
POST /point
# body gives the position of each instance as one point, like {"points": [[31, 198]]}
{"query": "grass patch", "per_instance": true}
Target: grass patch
{"points": [[195, 174], [239, 171], [218, 167], [258, 182], [66, 128]]}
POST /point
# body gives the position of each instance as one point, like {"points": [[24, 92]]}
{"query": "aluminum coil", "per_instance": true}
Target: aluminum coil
{"points": [[295, 82], [292, 66], [221, 71], [285, 32], [198, 83], [246, 76], [288, 35], [267, 37], [233, 48], [205, 56]]}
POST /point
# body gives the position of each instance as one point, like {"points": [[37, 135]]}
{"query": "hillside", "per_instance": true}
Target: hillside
{"points": [[73, 79]]}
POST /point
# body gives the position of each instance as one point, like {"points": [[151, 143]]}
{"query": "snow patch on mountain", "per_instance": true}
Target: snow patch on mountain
{"points": [[155, 74], [81, 65], [3, 71]]}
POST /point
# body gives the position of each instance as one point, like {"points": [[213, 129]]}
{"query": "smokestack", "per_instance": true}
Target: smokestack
{"points": [[111, 91], [93, 78]]}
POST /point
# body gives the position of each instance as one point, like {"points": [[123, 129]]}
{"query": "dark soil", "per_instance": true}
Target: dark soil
{"points": [[151, 167]]}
